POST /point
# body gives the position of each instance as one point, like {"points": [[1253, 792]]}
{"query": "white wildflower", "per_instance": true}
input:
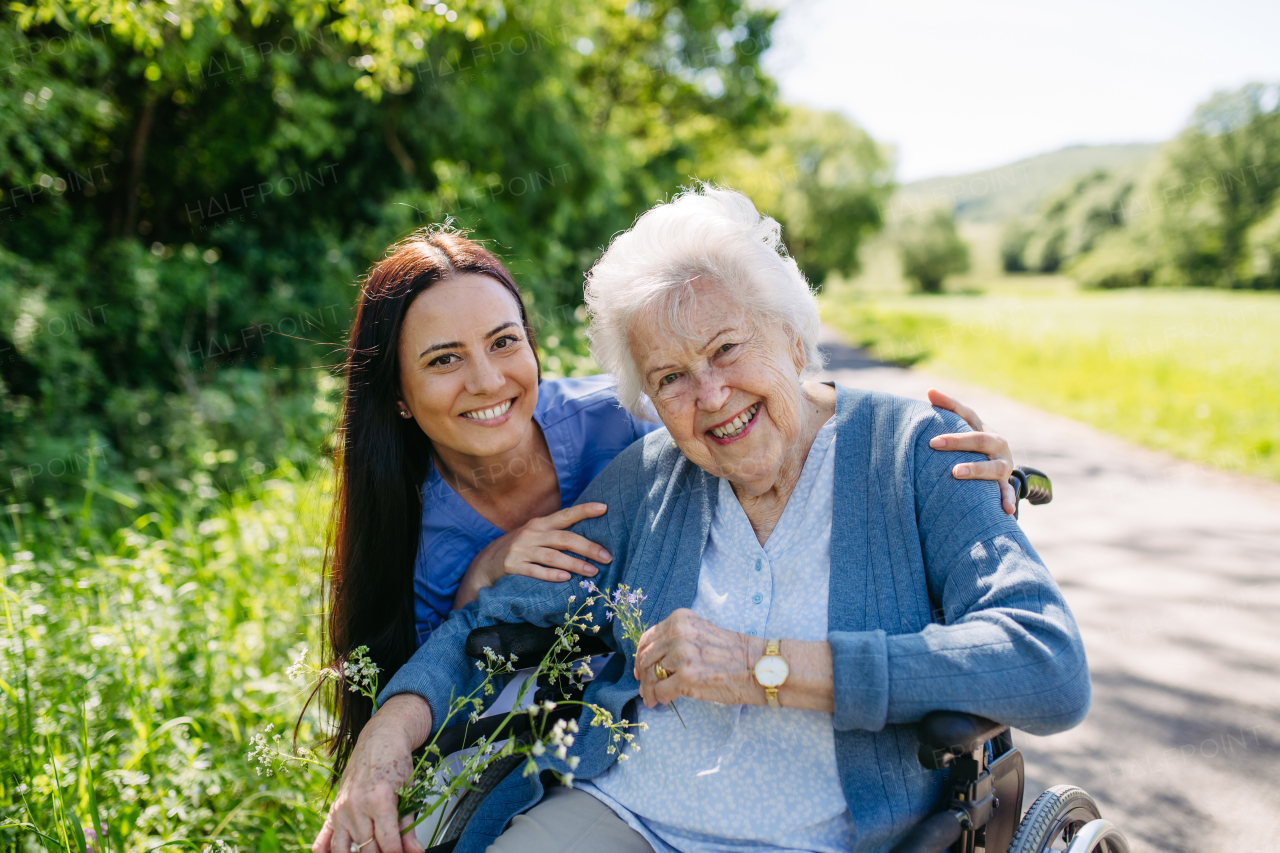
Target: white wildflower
{"points": [[299, 669]]}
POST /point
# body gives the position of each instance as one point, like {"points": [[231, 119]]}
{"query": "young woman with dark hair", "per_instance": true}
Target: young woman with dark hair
{"points": [[457, 463]]}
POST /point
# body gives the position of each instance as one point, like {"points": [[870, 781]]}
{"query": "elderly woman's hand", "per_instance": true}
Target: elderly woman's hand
{"points": [[365, 813], [704, 660], [995, 448]]}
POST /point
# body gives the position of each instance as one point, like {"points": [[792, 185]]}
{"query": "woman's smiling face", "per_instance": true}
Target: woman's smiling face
{"points": [[729, 393], [467, 371]]}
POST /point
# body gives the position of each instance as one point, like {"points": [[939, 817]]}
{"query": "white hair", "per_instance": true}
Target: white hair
{"points": [[706, 233]]}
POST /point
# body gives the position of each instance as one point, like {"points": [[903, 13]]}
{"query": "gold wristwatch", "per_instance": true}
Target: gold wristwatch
{"points": [[771, 671]]}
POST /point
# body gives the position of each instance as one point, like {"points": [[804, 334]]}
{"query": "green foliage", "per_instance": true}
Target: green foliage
{"points": [[1262, 249], [1192, 373], [1119, 259], [138, 662], [1071, 223], [824, 179], [1227, 168], [191, 188], [1200, 216], [931, 249]]}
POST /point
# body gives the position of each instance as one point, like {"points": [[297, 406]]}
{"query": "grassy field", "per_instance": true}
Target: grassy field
{"points": [[1193, 373], [138, 665]]}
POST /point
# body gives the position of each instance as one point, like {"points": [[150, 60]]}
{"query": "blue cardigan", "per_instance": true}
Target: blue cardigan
{"points": [[937, 602]]}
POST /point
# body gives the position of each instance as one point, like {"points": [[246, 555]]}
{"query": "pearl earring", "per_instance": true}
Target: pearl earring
{"points": [[405, 413]]}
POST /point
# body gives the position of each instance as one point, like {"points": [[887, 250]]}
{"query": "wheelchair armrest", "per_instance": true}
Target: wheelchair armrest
{"points": [[529, 643], [947, 734], [934, 834]]}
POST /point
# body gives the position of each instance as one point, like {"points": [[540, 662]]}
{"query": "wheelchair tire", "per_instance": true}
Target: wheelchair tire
{"points": [[1053, 820], [470, 800]]}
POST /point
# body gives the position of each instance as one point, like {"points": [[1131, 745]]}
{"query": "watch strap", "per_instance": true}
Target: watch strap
{"points": [[772, 648]]}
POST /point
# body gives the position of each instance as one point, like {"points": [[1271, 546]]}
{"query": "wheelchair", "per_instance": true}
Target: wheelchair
{"points": [[986, 772]]}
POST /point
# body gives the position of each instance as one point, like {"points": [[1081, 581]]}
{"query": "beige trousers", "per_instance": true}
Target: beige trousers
{"points": [[569, 821]]}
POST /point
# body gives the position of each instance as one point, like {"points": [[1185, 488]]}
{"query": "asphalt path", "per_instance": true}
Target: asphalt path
{"points": [[1173, 573]]}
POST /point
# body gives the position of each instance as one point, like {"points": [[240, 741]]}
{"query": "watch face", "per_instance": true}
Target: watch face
{"points": [[771, 671]]}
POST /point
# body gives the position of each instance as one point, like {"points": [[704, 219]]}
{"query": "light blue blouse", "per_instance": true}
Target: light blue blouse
{"points": [[764, 777], [585, 428]]}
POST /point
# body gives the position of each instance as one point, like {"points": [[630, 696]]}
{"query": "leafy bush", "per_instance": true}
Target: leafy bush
{"points": [[931, 249], [1071, 222], [1262, 249], [1117, 261]]}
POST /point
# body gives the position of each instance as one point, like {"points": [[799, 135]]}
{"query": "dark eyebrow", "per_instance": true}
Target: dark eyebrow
{"points": [[458, 344], [496, 329]]}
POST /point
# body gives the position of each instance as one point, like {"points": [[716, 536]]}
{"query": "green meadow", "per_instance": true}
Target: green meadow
{"points": [[1192, 372]]}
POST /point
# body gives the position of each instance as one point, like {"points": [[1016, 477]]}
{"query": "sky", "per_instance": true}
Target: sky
{"points": [[958, 87]]}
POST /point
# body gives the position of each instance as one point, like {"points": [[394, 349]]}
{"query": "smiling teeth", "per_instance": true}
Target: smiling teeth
{"points": [[488, 414], [736, 425]]}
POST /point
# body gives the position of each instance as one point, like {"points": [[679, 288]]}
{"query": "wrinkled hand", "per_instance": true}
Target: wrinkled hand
{"points": [[364, 813], [995, 448], [535, 549], [705, 661]]}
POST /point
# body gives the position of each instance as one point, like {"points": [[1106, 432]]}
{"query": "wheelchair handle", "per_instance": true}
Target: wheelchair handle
{"points": [[1032, 485]]}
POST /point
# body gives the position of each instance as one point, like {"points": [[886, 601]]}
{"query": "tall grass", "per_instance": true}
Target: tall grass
{"points": [[136, 663]]}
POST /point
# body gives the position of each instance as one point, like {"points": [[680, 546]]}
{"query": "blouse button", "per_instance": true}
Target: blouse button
{"points": [[757, 598], [757, 565]]}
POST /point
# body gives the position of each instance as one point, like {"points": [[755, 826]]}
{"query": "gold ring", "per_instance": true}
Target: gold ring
{"points": [[660, 671]]}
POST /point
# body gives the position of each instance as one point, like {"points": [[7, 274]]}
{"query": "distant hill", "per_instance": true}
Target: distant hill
{"points": [[996, 194]]}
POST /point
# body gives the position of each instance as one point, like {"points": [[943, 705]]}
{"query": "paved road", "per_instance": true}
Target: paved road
{"points": [[1173, 572]]}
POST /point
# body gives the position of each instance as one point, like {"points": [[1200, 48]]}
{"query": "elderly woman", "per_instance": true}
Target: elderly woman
{"points": [[816, 584]]}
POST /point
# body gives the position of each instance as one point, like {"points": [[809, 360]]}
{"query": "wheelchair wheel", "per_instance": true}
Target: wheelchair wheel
{"points": [[1054, 819], [467, 804]]}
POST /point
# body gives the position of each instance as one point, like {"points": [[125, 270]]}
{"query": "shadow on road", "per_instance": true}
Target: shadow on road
{"points": [[841, 357]]}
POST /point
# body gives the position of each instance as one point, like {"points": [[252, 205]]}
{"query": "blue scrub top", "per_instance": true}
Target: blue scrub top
{"points": [[585, 428]]}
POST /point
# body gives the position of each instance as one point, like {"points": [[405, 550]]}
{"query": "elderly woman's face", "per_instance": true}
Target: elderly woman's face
{"points": [[730, 395]]}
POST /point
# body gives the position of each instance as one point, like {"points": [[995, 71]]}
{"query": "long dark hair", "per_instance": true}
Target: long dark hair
{"points": [[382, 462]]}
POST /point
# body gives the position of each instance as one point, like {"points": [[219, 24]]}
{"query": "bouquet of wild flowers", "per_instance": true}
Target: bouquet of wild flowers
{"points": [[624, 605], [439, 780]]}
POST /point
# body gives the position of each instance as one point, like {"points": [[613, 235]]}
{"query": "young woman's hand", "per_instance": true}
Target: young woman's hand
{"points": [[995, 448], [535, 550]]}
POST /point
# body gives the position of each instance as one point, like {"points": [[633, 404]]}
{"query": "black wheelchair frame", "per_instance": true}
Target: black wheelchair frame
{"points": [[986, 771]]}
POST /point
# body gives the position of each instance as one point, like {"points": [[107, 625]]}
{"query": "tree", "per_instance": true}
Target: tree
{"points": [[1224, 173], [931, 249], [1199, 217], [189, 190], [823, 178]]}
